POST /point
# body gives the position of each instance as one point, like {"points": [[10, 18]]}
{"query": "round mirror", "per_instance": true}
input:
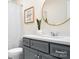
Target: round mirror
{"points": [[55, 12]]}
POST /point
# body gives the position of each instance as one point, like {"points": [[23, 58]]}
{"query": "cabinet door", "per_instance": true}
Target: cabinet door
{"points": [[33, 54], [45, 56], [25, 53]]}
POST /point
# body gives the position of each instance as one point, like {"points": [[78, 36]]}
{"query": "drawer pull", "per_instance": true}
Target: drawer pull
{"points": [[61, 52], [37, 56], [32, 44]]}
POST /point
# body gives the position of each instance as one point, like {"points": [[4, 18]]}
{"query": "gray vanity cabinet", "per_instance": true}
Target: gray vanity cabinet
{"points": [[60, 51], [36, 49], [45, 56], [33, 54], [26, 52], [39, 45], [26, 42], [30, 53]]}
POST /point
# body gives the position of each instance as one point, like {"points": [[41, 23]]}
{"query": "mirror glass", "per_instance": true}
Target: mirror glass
{"points": [[56, 11]]}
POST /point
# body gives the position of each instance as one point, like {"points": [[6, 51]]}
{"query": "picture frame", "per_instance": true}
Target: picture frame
{"points": [[29, 15]]}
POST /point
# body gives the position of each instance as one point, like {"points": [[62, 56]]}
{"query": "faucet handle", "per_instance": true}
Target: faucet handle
{"points": [[54, 34]]}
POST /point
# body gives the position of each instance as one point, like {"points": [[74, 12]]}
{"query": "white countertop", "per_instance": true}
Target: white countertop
{"points": [[55, 39]]}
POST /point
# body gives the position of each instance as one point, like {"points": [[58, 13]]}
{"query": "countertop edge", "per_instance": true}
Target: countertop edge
{"points": [[47, 39]]}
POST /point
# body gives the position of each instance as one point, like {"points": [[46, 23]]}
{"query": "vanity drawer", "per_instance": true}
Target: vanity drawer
{"points": [[60, 51], [26, 41], [39, 45]]}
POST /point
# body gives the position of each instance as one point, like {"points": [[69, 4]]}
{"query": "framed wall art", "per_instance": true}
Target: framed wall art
{"points": [[29, 15]]}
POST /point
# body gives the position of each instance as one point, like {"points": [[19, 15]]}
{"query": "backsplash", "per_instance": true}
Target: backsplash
{"points": [[62, 30]]}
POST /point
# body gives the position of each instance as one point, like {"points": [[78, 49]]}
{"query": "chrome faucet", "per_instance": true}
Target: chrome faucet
{"points": [[54, 34]]}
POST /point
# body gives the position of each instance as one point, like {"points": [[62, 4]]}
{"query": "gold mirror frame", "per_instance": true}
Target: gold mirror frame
{"points": [[53, 24]]}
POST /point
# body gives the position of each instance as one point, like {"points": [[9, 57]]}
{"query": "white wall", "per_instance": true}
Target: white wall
{"points": [[14, 25], [46, 29]]}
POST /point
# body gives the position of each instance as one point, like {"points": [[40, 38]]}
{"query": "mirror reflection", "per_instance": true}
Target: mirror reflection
{"points": [[55, 12]]}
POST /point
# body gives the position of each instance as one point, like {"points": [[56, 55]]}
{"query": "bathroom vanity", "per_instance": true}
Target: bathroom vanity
{"points": [[37, 47]]}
